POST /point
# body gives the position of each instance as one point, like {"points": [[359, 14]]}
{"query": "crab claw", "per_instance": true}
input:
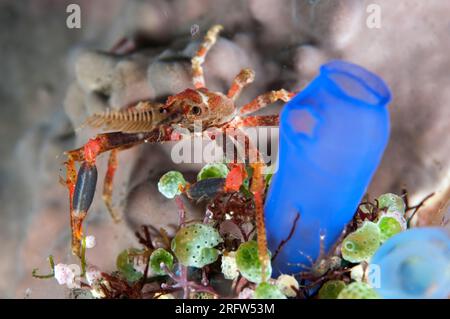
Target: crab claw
{"points": [[235, 178], [82, 200], [84, 189], [206, 188]]}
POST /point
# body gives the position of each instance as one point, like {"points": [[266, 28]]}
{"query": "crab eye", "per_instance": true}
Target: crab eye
{"points": [[196, 110]]}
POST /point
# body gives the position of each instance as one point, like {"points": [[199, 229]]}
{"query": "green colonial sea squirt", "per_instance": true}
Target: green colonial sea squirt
{"points": [[171, 184], [331, 289], [215, 170], [248, 263], [193, 245], [391, 224], [159, 256], [391, 203], [126, 266], [362, 243], [268, 291], [358, 290]]}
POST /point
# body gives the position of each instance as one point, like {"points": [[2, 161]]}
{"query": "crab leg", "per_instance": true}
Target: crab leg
{"points": [[244, 78], [71, 179], [81, 186], [257, 188], [259, 120], [108, 184], [266, 99], [197, 61]]}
